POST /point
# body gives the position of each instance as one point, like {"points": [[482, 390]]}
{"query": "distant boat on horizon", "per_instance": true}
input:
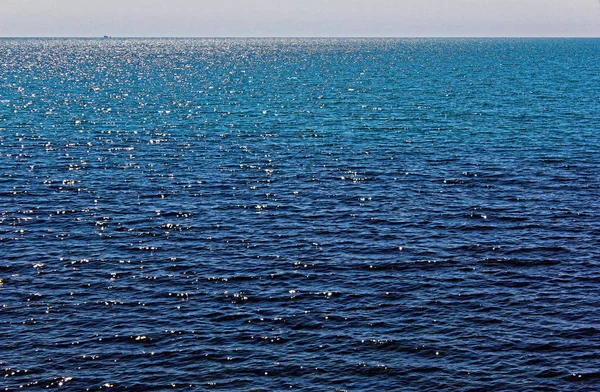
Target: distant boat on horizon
{"points": [[107, 36]]}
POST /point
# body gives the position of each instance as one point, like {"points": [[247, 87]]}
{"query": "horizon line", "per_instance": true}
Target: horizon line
{"points": [[291, 36]]}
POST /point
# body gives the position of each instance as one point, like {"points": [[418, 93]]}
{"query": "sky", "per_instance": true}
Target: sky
{"points": [[304, 18]]}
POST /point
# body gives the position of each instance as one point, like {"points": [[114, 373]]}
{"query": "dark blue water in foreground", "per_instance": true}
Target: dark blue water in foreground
{"points": [[361, 215]]}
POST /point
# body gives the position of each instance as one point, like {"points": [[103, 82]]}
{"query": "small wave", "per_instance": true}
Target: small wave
{"points": [[540, 250], [582, 376], [518, 262]]}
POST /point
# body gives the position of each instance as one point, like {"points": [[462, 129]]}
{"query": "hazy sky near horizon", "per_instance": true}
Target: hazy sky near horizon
{"points": [[239, 18]]}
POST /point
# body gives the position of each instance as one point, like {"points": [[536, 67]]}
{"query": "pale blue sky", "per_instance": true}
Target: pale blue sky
{"points": [[231, 18]]}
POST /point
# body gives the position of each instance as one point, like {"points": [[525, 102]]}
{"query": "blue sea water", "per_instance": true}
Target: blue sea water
{"points": [[300, 214]]}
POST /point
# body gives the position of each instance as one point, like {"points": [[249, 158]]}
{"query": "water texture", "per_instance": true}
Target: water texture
{"points": [[299, 214]]}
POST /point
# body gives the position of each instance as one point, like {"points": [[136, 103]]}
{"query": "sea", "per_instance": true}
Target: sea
{"points": [[300, 214]]}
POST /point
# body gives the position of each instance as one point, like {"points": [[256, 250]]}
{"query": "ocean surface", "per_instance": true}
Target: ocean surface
{"points": [[300, 214]]}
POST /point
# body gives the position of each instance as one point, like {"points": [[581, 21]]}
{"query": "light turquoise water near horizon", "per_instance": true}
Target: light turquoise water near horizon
{"points": [[300, 214]]}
